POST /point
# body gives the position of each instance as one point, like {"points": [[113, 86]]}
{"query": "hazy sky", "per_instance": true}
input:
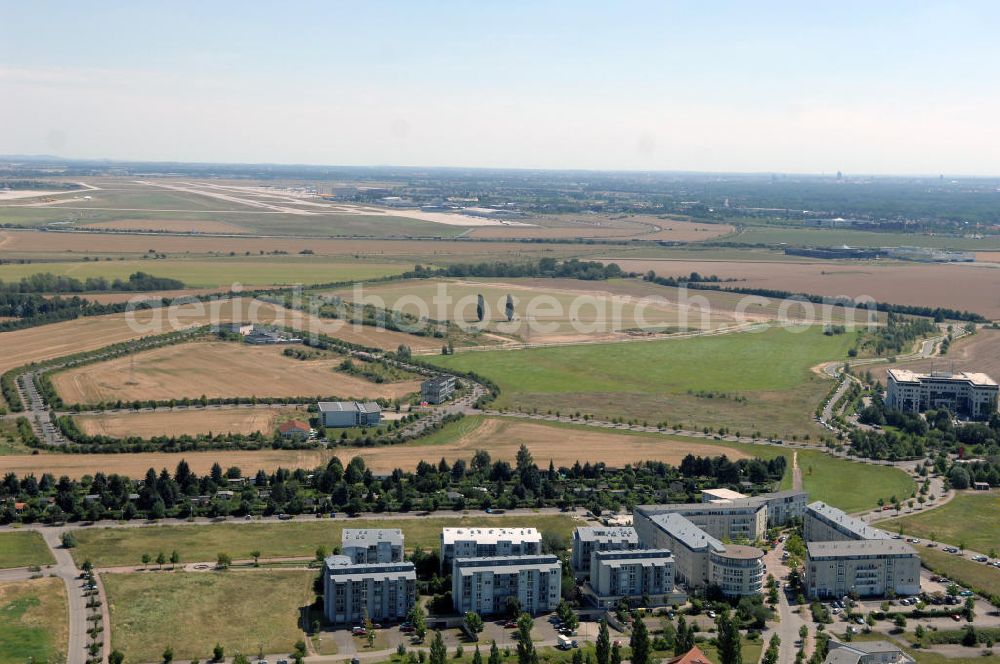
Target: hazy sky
{"points": [[799, 86]]}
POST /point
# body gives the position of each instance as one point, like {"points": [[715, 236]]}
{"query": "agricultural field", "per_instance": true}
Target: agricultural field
{"points": [[954, 285], [222, 272], [192, 611], [218, 369], [34, 621], [637, 227], [823, 237], [979, 352], [24, 549], [745, 381], [969, 519], [107, 547], [186, 422]]}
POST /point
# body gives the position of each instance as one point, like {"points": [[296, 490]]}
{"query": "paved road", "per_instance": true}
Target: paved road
{"points": [[67, 570], [787, 627]]}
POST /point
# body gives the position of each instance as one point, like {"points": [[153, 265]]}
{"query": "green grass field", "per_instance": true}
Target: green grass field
{"points": [[219, 272], [107, 547], [670, 379], [849, 485], [34, 621], [23, 549], [979, 577], [192, 611], [968, 518]]}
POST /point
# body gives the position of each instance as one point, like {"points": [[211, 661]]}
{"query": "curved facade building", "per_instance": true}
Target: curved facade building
{"points": [[738, 570]]}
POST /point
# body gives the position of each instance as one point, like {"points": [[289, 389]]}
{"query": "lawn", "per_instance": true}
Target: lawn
{"points": [[192, 611], [34, 621], [23, 549], [220, 272], [107, 547], [968, 518], [745, 381], [979, 577], [849, 485]]}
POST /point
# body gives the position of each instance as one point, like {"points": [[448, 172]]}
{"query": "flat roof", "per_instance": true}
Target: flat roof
{"points": [[724, 494], [605, 534], [345, 406], [540, 562], [366, 536], [847, 522], [344, 568], [490, 535], [907, 376], [740, 552], [851, 548], [633, 555]]}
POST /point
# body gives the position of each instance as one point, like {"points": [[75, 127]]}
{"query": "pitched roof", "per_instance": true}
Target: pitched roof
{"points": [[693, 656], [293, 425]]}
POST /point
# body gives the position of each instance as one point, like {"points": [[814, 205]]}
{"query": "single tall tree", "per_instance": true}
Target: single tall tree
{"points": [[439, 654], [480, 307], [616, 654], [639, 642], [603, 650], [680, 643], [526, 653], [509, 307], [728, 637], [494, 654], [477, 657]]}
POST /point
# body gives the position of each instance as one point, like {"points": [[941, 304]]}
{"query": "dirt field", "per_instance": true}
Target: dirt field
{"points": [[217, 369], [169, 226], [501, 437], [978, 353], [49, 341], [963, 286], [600, 226], [181, 422]]}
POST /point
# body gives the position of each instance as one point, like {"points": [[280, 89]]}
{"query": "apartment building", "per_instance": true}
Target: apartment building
{"points": [[380, 591], [737, 570], [824, 523], [485, 584], [632, 575], [972, 395], [588, 540], [372, 545], [488, 543], [866, 652], [740, 519], [870, 568]]}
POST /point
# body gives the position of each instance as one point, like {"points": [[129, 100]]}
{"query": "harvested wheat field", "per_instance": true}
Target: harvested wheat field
{"points": [[962, 286], [978, 353], [218, 369], [59, 339], [169, 226], [188, 422], [501, 437]]}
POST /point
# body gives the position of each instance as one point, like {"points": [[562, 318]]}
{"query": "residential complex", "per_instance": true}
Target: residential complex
{"points": [[632, 575], [741, 519], [823, 523], [487, 543], [372, 545], [342, 414], [588, 540], [380, 591], [870, 568], [972, 395], [437, 389], [485, 584], [737, 570]]}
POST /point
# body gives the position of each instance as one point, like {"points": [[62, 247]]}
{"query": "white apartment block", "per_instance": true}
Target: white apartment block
{"points": [[372, 545], [700, 559], [588, 540], [483, 585], [824, 523], [972, 395], [870, 568], [631, 575], [742, 519], [866, 652], [488, 543], [380, 591]]}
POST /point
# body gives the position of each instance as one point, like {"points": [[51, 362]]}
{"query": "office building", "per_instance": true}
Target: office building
{"points": [[972, 395]]}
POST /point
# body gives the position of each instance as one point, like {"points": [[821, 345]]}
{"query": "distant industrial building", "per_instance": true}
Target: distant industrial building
{"points": [[631, 575], [437, 389], [263, 334], [589, 540], [379, 591], [484, 585], [341, 414], [488, 543], [825, 523], [372, 545], [869, 568], [972, 395]]}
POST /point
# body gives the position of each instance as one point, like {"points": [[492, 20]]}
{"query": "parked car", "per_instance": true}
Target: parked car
{"points": [[955, 617], [359, 631]]}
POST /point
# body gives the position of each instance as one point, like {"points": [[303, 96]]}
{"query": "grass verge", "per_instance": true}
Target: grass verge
{"points": [[34, 621], [23, 549]]}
